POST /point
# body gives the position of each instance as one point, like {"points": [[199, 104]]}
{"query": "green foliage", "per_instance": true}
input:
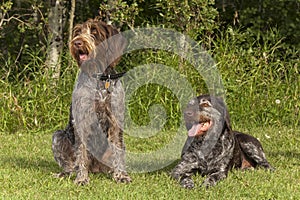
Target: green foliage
{"points": [[32, 100], [261, 83], [22, 34], [197, 18], [260, 16], [5, 7], [120, 12], [284, 15], [259, 69]]}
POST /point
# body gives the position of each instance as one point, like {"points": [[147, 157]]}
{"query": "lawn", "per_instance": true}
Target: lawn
{"points": [[27, 168]]}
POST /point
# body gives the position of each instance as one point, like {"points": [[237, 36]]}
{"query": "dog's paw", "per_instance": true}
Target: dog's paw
{"points": [[267, 166], [187, 183], [82, 179], [121, 177], [62, 174], [271, 169], [209, 182]]}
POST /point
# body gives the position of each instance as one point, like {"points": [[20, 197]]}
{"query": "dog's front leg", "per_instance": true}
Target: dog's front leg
{"points": [[212, 179], [81, 164], [119, 171], [183, 172]]}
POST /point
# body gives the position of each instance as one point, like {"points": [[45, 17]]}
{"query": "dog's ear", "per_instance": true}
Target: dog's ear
{"points": [[227, 119], [118, 40], [225, 112], [115, 45]]}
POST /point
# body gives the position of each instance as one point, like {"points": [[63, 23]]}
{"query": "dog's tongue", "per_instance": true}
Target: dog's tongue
{"points": [[198, 129], [194, 130], [83, 57]]}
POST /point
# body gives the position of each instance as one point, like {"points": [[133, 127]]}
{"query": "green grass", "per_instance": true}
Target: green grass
{"points": [[27, 167]]}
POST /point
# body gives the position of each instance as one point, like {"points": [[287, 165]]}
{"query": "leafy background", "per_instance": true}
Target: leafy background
{"points": [[255, 45]]}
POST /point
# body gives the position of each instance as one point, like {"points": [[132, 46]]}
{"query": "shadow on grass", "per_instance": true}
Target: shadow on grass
{"points": [[40, 164], [15, 163], [285, 158], [286, 154]]}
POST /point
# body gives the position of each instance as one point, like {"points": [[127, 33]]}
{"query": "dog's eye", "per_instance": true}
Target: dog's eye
{"points": [[76, 33], [94, 31], [192, 102]]}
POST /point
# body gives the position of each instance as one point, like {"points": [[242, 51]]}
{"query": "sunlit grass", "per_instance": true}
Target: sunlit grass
{"points": [[27, 168]]}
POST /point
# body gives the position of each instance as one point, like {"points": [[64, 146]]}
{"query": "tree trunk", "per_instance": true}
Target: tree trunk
{"points": [[71, 20], [183, 52], [110, 3], [55, 37]]}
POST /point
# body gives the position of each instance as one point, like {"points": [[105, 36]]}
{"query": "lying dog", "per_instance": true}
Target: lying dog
{"points": [[93, 139], [212, 148]]}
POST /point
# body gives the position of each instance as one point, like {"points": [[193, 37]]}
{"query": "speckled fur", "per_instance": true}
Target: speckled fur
{"points": [[219, 149]]}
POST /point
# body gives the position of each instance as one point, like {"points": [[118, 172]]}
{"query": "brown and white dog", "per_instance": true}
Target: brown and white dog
{"points": [[212, 148], [93, 139]]}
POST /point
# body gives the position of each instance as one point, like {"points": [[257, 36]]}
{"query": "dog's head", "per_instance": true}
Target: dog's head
{"points": [[92, 34], [203, 113]]}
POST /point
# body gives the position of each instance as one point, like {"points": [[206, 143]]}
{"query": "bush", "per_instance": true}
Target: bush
{"points": [[260, 17]]}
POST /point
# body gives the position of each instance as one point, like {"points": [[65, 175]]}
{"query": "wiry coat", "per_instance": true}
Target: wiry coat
{"points": [[93, 139], [212, 148]]}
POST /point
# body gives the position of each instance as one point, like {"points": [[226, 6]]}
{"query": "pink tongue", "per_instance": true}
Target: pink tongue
{"points": [[199, 129], [83, 57], [194, 130]]}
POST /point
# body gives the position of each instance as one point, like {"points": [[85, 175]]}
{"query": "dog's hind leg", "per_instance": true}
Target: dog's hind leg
{"points": [[63, 151], [253, 150]]}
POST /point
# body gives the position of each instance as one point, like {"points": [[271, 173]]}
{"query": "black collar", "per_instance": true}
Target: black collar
{"points": [[104, 77]]}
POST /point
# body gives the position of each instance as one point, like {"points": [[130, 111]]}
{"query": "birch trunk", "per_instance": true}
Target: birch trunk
{"points": [[183, 52], [71, 20], [55, 37]]}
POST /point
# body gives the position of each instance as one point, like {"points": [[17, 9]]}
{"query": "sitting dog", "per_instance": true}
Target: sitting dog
{"points": [[93, 139], [212, 148]]}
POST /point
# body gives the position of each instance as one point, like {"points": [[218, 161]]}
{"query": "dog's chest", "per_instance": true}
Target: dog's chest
{"points": [[213, 154]]}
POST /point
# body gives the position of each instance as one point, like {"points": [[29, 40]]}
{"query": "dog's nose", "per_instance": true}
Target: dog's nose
{"points": [[78, 43]]}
